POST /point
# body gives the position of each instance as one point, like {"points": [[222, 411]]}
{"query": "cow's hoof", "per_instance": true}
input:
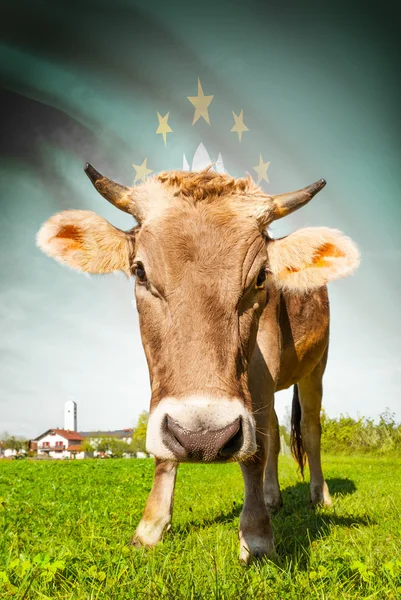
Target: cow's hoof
{"points": [[320, 496], [255, 547], [148, 534], [136, 542]]}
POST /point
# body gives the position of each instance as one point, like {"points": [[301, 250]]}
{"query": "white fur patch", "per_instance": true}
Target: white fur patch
{"points": [[153, 198], [198, 412]]}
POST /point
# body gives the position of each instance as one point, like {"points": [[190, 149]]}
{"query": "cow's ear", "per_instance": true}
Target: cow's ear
{"points": [[86, 242], [309, 258]]}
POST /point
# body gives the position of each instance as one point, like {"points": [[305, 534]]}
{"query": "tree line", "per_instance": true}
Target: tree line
{"points": [[347, 435]]}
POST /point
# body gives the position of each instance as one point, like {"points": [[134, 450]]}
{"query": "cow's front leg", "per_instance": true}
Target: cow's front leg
{"points": [[255, 530], [159, 506]]}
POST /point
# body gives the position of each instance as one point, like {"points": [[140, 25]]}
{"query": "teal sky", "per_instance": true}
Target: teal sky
{"points": [[82, 81]]}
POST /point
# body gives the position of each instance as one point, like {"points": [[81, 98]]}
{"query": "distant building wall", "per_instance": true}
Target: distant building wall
{"points": [[8, 452]]}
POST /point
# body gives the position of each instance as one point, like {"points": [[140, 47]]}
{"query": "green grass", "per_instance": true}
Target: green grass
{"points": [[65, 528]]}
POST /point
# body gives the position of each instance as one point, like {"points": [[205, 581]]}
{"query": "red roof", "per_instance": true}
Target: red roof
{"points": [[68, 434], [65, 433], [74, 448]]}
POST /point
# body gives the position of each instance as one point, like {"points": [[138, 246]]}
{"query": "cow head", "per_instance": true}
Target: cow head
{"points": [[204, 268]]}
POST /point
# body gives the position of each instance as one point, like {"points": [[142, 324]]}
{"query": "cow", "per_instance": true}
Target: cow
{"points": [[228, 316]]}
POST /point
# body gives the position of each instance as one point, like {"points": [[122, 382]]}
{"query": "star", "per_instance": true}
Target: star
{"points": [[201, 102], [239, 126], [141, 171], [164, 128], [261, 170]]}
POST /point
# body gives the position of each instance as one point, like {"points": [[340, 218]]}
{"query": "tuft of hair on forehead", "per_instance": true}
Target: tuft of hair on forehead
{"points": [[206, 184]]}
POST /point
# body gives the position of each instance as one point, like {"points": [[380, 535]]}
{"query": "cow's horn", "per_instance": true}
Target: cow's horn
{"points": [[119, 195], [285, 204]]}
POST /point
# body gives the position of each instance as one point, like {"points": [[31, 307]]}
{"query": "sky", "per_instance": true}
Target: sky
{"points": [[83, 81]]}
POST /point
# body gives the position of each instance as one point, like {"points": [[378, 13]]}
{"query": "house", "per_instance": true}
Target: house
{"points": [[125, 435], [59, 443], [95, 438], [66, 443], [9, 452]]}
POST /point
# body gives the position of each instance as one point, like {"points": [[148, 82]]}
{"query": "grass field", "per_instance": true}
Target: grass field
{"points": [[65, 527]]}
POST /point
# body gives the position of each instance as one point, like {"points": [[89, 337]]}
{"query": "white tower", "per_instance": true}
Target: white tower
{"points": [[70, 415]]}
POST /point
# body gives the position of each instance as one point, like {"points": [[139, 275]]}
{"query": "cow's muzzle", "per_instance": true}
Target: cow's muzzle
{"points": [[201, 429], [203, 445]]}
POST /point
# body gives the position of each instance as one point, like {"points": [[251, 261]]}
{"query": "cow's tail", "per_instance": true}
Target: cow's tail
{"points": [[297, 447]]}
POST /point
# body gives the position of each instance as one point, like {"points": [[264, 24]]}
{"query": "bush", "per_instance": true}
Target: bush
{"points": [[138, 443], [346, 434]]}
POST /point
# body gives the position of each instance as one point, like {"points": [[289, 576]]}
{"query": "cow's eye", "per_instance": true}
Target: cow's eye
{"points": [[261, 278], [141, 273]]}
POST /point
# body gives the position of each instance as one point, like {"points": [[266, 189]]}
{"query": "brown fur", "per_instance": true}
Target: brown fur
{"points": [[210, 278], [70, 232], [205, 185]]}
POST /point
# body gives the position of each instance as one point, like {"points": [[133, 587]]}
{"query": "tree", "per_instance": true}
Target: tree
{"points": [[87, 446], [14, 443], [113, 446], [4, 436], [118, 447], [103, 444], [286, 422], [285, 435], [138, 443]]}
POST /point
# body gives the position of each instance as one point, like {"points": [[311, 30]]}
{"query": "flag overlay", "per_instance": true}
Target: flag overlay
{"points": [[285, 92]]}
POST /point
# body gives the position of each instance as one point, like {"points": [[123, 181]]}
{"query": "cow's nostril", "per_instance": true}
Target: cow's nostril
{"points": [[206, 445], [234, 443], [171, 437]]}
